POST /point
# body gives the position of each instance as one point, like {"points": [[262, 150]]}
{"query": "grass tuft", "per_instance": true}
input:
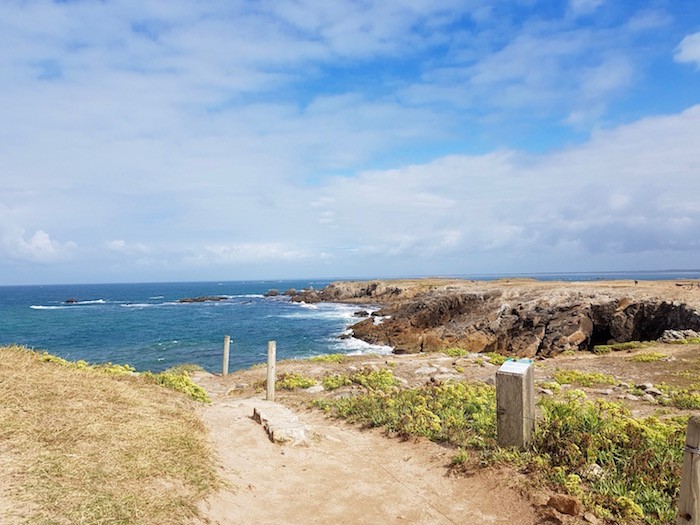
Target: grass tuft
{"points": [[648, 357], [85, 446], [329, 358], [574, 377]]}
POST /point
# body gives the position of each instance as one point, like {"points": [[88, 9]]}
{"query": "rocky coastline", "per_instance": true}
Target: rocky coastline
{"points": [[519, 317]]}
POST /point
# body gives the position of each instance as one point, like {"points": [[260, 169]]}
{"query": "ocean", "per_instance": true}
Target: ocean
{"points": [[144, 325]]}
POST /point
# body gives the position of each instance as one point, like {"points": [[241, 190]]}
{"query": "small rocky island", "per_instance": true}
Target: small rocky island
{"points": [[203, 299], [522, 317]]}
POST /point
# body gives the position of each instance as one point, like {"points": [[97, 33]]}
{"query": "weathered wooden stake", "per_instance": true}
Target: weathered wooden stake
{"points": [[689, 499], [227, 346], [515, 404], [271, 351]]}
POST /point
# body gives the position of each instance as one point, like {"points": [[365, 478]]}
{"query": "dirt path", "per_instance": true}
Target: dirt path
{"points": [[344, 476]]}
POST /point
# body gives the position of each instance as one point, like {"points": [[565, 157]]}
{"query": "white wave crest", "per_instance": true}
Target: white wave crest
{"points": [[96, 301], [353, 346], [41, 307]]}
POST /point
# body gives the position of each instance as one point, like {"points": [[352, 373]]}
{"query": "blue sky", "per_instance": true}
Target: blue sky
{"points": [[151, 140]]}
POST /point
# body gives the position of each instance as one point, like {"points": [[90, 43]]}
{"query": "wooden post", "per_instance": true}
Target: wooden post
{"points": [[227, 346], [271, 351], [689, 499], [515, 404]]}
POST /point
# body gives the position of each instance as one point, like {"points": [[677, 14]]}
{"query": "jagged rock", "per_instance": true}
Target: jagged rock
{"points": [[290, 292], [520, 318], [565, 504], [545, 391], [591, 518], [649, 398], [71, 300], [361, 313], [653, 391], [307, 296], [677, 335], [272, 293], [644, 386]]}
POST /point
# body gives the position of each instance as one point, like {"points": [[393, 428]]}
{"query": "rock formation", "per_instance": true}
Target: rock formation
{"points": [[526, 318]]}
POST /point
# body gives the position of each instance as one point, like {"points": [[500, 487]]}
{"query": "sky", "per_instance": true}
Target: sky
{"points": [[146, 140]]}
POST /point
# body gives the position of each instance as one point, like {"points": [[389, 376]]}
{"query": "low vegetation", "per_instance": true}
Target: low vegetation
{"points": [[98, 444], [495, 358], [292, 381], [455, 352], [617, 347], [688, 341], [329, 358], [648, 357], [574, 377], [624, 470]]}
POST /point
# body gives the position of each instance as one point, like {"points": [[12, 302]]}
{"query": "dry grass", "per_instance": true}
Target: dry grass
{"points": [[85, 447]]}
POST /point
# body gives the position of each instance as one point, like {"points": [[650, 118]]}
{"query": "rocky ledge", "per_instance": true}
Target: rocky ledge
{"points": [[520, 317]]}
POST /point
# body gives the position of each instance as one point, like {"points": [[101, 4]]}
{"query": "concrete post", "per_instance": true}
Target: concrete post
{"points": [[227, 346], [515, 403], [271, 376], [689, 498]]}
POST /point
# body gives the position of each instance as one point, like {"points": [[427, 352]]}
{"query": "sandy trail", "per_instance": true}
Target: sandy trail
{"points": [[346, 475]]}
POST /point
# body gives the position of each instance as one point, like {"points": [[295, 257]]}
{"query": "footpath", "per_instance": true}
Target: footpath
{"points": [[331, 472]]}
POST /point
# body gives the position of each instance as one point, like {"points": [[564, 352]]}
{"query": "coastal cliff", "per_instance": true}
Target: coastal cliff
{"points": [[521, 317]]}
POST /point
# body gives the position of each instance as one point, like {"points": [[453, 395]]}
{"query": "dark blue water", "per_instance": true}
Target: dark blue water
{"points": [[144, 325]]}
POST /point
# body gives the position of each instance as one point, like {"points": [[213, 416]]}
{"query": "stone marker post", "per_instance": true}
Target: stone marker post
{"points": [[515, 403], [227, 347], [689, 499], [271, 377]]}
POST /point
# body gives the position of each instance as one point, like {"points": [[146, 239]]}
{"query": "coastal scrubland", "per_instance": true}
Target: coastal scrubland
{"points": [[102, 444], [610, 433], [82, 444]]}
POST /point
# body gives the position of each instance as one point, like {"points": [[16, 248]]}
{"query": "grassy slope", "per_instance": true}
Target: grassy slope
{"points": [[82, 446]]}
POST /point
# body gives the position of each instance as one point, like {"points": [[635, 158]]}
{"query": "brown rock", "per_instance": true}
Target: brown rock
{"points": [[565, 504]]}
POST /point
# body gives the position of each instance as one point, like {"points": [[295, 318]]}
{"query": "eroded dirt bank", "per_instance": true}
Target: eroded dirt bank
{"points": [[520, 317]]}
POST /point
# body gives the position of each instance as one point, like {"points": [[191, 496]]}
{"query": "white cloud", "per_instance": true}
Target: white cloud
{"points": [[264, 253], [38, 248], [688, 50], [121, 246], [584, 7]]}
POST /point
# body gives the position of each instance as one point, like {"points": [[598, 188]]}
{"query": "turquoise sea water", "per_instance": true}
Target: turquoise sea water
{"points": [[144, 325]]}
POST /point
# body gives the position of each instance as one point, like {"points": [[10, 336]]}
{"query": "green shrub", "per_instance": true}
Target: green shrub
{"points": [[641, 459], [685, 399], [335, 381], [616, 347], [292, 381], [688, 341], [382, 380], [180, 382], [648, 357], [459, 413], [495, 358], [455, 352], [328, 358], [574, 377]]}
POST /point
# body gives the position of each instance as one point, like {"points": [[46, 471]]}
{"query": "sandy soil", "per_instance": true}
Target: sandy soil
{"points": [[345, 475]]}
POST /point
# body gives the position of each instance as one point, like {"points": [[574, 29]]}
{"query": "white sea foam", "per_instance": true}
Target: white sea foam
{"points": [[96, 301], [344, 312], [41, 307], [138, 305], [352, 346], [157, 297]]}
